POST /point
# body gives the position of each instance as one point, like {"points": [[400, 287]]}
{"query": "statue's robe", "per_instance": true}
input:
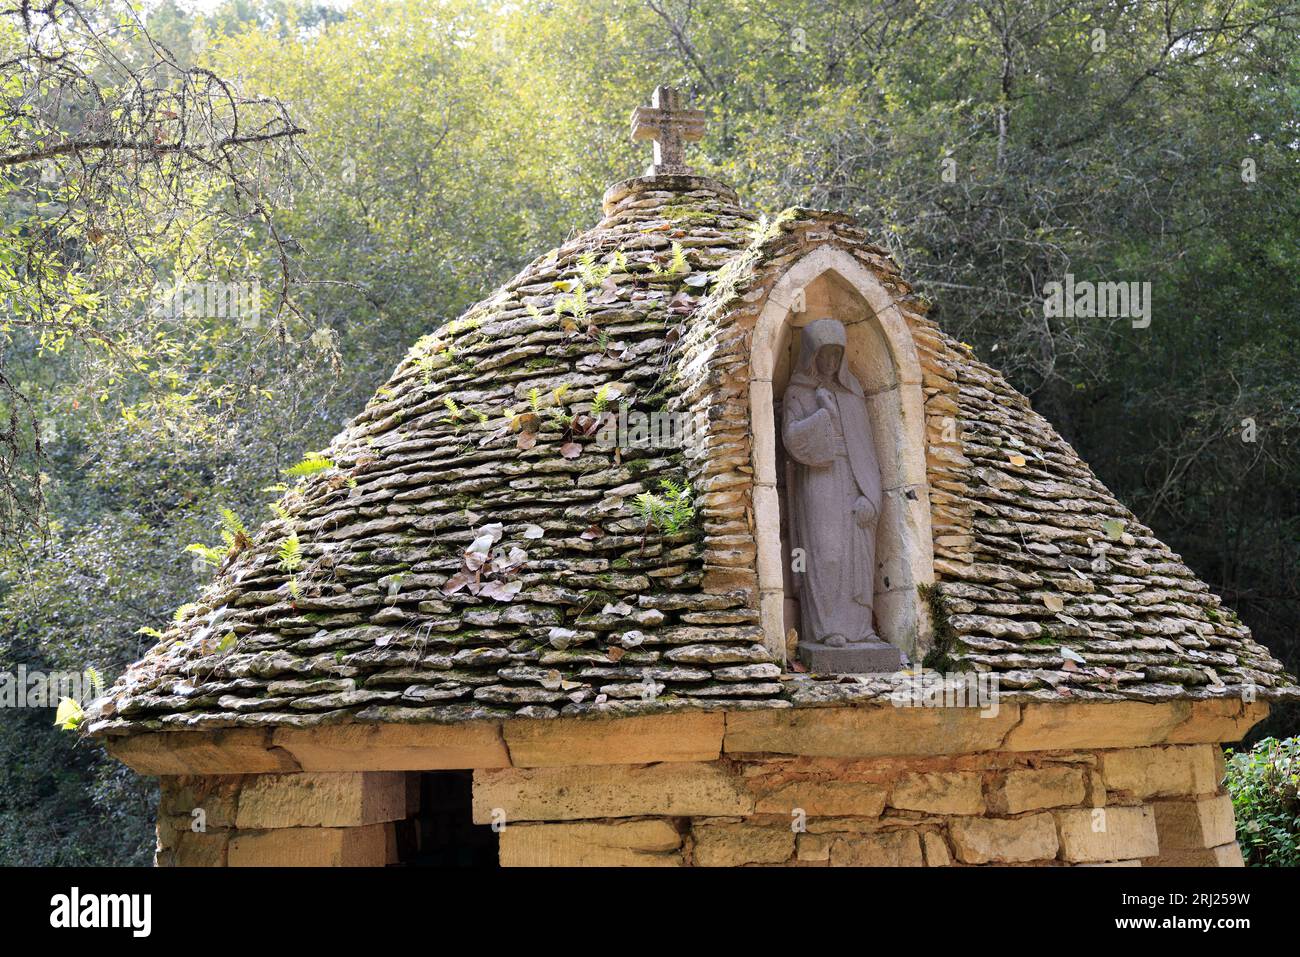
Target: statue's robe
{"points": [[835, 474]]}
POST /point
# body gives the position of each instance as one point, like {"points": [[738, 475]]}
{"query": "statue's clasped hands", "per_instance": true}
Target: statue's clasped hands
{"points": [[826, 400], [864, 512]]}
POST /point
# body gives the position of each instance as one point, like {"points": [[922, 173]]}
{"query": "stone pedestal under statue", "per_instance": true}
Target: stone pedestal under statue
{"points": [[859, 658]]}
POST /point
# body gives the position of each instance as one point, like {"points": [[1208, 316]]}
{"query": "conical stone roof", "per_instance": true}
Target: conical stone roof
{"points": [[467, 547]]}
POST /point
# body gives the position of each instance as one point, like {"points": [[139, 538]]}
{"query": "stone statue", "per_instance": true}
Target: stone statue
{"points": [[835, 499]]}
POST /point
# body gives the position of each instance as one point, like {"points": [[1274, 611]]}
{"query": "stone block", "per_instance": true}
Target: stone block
{"points": [[939, 792], [1029, 789], [216, 795], [733, 845], [1107, 834], [1087, 725], [1218, 721], [868, 731], [937, 853], [179, 846], [369, 846], [825, 799], [1162, 771], [652, 843], [687, 736], [228, 751], [1194, 825], [985, 840], [877, 849], [865, 658], [1225, 855], [319, 799], [815, 848], [394, 747], [566, 794]]}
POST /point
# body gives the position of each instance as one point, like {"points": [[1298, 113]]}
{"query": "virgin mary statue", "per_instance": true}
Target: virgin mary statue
{"points": [[835, 493]]}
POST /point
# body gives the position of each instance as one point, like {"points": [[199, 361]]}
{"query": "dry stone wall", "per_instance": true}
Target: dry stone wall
{"points": [[1136, 807]]}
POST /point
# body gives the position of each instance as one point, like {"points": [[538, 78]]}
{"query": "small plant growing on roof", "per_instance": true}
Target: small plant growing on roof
{"points": [[312, 464], [591, 273], [290, 560], [290, 554], [69, 715], [669, 512], [678, 264], [575, 304], [233, 534]]}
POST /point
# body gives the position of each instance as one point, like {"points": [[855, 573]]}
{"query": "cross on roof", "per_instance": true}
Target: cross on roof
{"points": [[671, 126]]}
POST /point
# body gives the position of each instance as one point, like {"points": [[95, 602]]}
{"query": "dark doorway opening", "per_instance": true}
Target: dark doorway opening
{"points": [[441, 831]]}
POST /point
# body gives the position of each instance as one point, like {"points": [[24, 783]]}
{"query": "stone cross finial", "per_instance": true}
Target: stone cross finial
{"points": [[671, 126]]}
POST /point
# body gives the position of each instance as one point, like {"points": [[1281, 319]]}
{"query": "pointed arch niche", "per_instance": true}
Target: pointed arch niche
{"points": [[831, 283]]}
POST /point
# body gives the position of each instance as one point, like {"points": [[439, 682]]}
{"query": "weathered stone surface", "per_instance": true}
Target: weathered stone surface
{"points": [[824, 799], [1107, 834], [317, 799], [684, 736], [653, 843], [217, 796], [1194, 824], [179, 846], [233, 751], [1006, 841], [1109, 724], [936, 849], [872, 849], [733, 845], [957, 792], [1162, 771], [867, 731], [565, 794], [1030, 789], [1225, 855], [395, 747], [369, 846], [1218, 721]]}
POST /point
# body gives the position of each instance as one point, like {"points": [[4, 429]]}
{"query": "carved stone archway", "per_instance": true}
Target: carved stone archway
{"points": [[830, 282]]}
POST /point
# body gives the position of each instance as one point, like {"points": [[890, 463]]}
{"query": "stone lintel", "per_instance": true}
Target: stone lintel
{"points": [[871, 730]]}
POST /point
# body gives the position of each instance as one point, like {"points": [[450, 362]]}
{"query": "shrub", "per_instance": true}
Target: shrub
{"points": [[1265, 787]]}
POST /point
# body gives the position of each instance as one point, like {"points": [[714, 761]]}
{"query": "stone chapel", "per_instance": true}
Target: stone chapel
{"points": [[859, 605]]}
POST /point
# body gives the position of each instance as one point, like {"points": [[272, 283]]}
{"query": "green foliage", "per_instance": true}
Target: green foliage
{"points": [[290, 554], [939, 656], [210, 556], [678, 264], [69, 714], [233, 532], [313, 464], [670, 512], [1265, 786]]}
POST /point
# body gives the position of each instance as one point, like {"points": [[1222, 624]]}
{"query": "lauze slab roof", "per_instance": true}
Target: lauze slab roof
{"points": [[482, 440]]}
